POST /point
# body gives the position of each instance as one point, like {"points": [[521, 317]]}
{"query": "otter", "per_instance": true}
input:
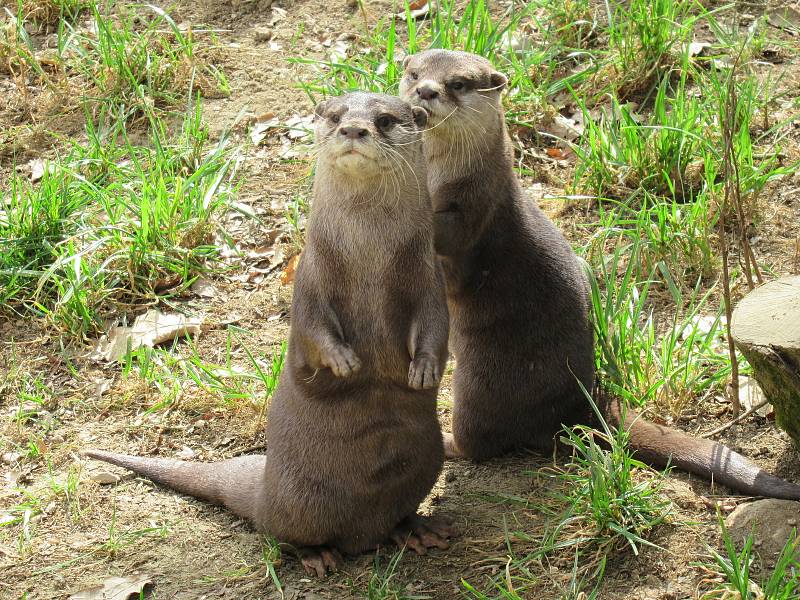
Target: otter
{"points": [[354, 443], [517, 294]]}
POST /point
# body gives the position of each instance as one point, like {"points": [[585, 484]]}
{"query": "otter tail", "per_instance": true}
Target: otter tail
{"points": [[236, 483], [660, 446]]}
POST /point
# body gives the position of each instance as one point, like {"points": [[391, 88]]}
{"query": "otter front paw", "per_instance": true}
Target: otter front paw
{"points": [[423, 373], [341, 360]]}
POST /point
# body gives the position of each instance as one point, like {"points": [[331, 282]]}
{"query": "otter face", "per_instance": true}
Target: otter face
{"points": [[360, 134], [452, 86]]}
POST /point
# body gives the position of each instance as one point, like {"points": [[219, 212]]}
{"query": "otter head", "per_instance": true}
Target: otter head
{"points": [[362, 136], [458, 89]]}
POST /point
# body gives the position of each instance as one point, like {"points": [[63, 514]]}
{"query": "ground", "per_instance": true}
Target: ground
{"points": [[76, 535]]}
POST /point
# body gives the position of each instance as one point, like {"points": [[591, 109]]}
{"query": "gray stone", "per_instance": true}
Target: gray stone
{"points": [[262, 34], [773, 520]]}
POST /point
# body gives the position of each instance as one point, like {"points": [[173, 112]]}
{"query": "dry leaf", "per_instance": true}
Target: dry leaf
{"points": [[288, 273], [101, 386], [562, 129], [698, 48], [115, 588], [149, 329], [556, 153], [300, 127], [204, 288], [418, 8], [186, 453], [785, 17], [262, 127], [751, 394], [37, 169], [10, 457]]}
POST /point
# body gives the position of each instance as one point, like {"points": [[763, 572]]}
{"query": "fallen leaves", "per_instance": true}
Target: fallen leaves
{"points": [[149, 329], [263, 124], [786, 18], [288, 273], [751, 395], [417, 8], [115, 588]]}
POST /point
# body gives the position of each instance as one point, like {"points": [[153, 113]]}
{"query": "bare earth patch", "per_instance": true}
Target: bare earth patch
{"points": [[77, 522]]}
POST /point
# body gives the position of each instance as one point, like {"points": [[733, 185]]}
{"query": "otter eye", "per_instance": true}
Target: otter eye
{"points": [[384, 121], [335, 118], [457, 85], [413, 75]]}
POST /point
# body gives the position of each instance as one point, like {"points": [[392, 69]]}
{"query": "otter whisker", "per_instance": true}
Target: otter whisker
{"points": [[450, 114], [396, 153]]}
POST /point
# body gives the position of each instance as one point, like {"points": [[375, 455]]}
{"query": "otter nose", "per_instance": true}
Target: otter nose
{"points": [[353, 132], [426, 93]]}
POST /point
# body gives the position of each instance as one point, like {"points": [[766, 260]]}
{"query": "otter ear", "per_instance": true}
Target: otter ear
{"points": [[420, 115], [406, 60], [319, 109], [498, 80]]}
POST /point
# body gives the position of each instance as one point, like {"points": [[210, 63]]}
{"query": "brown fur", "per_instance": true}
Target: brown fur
{"points": [[517, 294], [353, 439]]}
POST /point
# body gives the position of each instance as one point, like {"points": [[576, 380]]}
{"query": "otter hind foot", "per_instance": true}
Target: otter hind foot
{"points": [[450, 448], [319, 560], [420, 533]]}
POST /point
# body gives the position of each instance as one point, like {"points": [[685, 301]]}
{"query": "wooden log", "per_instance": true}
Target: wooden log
{"points": [[766, 329]]}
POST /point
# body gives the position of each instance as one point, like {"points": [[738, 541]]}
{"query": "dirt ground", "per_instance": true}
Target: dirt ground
{"points": [[190, 550]]}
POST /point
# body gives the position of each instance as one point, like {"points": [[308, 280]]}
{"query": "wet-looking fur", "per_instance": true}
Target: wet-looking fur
{"points": [[353, 439], [517, 294]]}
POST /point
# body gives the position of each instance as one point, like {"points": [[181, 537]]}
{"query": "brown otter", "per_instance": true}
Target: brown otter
{"points": [[353, 438], [517, 294]]}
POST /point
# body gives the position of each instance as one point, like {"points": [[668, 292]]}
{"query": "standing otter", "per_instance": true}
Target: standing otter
{"points": [[518, 297], [353, 439]]}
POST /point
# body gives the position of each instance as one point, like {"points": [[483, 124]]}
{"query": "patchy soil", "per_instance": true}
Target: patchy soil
{"points": [[90, 531]]}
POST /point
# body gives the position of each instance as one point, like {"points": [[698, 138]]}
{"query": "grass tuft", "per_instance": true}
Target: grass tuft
{"points": [[735, 569], [115, 224]]}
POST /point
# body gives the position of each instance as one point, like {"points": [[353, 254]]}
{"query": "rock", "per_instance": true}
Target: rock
{"points": [[105, 478], [766, 329], [262, 34], [774, 521]]}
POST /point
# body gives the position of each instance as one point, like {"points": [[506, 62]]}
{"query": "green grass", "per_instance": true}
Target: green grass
{"points": [[623, 153], [130, 70], [646, 40], [114, 224], [605, 503], [133, 61], [43, 12], [533, 75], [171, 372], [271, 557], [736, 570], [383, 583], [608, 509], [672, 360]]}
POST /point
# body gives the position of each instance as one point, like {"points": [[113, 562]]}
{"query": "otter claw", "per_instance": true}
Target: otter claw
{"points": [[420, 533], [318, 561], [423, 373], [342, 361]]}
